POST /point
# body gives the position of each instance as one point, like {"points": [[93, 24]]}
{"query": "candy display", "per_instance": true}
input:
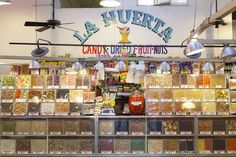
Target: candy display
{"points": [[21, 95], [87, 146], [152, 95], [23, 81], [184, 80], [88, 96], [38, 127], [205, 126], [23, 146], [194, 94], [176, 81], [106, 127], [218, 126], [205, 146], [106, 145], [179, 94], [166, 94], [37, 81], [199, 81], [218, 81], [136, 103], [222, 95], [71, 127], [122, 146], [23, 127], [197, 110], [206, 81], [68, 81], [56, 80], [8, 146], [86, 126], [152, 108], [191, 81], [179, 108], [55, 127], [71, 146], [7, 95], [38, 146], [222, 108], [35, 95], [121, 127], [48, 95], [33, 108], [208, 94], [49, 81], [170, 126], [76, 96], [182, 146], [166, 108], [186, 126], [20, 109], [155, 146], [231, 127], [231, 145], [190, 146], [6, 108], [62, 94], [171, 146], [8, 81], [55, 146], [137, 146], [8, 127], [137, 127], [166, 80], [76, 108], [209, 108], [219, 145], [154, 127], [62, 108], [47, 108]]}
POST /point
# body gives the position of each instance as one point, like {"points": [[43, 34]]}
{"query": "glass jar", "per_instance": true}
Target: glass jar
{"points": [[136, 103]]}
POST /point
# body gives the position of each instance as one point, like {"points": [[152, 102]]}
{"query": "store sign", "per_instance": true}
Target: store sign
{"points": [[124, 50], [134, 17]]}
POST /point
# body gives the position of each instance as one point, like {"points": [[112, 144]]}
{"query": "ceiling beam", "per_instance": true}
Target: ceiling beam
{"points": [[226, 10], [218, 41]]}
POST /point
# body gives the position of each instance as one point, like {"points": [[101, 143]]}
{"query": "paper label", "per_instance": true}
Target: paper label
{"points": [[170, 152], [137, 133], [170, 132], [155, 152], [37, 87], [70, 152], [154, 86], [175, 87], [121, 152], [33, 113], [6, 113], [75, 113], [70, 132], [8, 133], [181, 113], [82, 87], [61, 100], [23, 152], [219, 86], [223, 113], [55, 133], [166, 113], [204, 151], [222, 100], [106, 152], [184, 86], [23, 133], [233, 87], [138, 152], [86, 133], [219, 132], [106, 133], [232, 132], [166, 100], [55, 152], [7, 152], [48, 100], [201, 86], [155, 133], [205, 132], [8, 87], [209, 113], [232, 151], [42, 152], [7, 100], [38, 133], [61, 114], [86, 152], [191, 86], [233, 99], [195, 113], [185, 132], [152, 100], [219, 151], [122, 133]]}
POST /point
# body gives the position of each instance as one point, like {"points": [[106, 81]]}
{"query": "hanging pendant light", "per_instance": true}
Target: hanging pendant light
{"points": [[164, 67], [34, 65], [207, 67], [110, 3], [76, 66], [228, 52], [194, 47], [40, 51], [5, 2]]}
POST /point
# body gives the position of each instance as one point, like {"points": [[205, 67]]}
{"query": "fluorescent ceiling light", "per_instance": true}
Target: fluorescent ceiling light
{"points": [[5, 2], [110, 3]]}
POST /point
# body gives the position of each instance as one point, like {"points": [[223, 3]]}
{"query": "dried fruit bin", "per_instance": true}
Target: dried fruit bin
{"points": [[76, 96], [205, 126], [137, 146], [62, 108], [152, 95], [38, 127], [8, 81], [106, 146], [137, 127], [166, 108], [23, 81], [222, 95], [106, 127], [179, 95], [48, 95], [21, 95], [171, 146], [193, 94], [7, 95], [8, 146], [166, 81], [35, 95], [208, 108], [176, 81], [23, 127], [20, 109], [152, 108], [122, 146], [155, 146], [166, 95], [47, 108], [208, 94], [6, 108], [49, 81], [170, 126], [205, 146], [191, 81]]}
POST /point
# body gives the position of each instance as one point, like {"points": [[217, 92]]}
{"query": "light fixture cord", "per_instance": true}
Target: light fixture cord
{"points": [[195, 15]]}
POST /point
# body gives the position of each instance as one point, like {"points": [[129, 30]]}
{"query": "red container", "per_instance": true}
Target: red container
{"points": [[136, 103]]}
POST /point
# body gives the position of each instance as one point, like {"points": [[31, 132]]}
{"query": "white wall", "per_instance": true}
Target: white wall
{"points": [[180, 18]]}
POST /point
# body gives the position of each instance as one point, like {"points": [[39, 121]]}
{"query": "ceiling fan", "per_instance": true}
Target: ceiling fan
{"points": [[52, 23]]}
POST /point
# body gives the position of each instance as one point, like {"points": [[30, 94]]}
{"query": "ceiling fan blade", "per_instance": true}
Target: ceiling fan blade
{"points": [[43, 28], [30, 23], [67, 23], [66, 28]]}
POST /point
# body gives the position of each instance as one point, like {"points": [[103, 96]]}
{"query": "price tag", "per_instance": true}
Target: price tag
{"points": [[106, 133], [232, 132], [75, 113], [181, 113], [185, 132], [170, 132], [48, 100], [33, 113], [219, 132], [61, 114], [170, 152], [154, 86], [61, 100], [70, 132], [138, 152], [175, 87], [152, 100], [221, 100], [121, 152], [155, 152], [195, 113], [205, 152], [38, 133], [55, 133], [166, 113], [232, 151], [20, 100], [8, 133], [184, 86], [209, 113], [37, 87], [106, 152], [86, 133], [23, 152], [70, 152], [233, 99], [137, 133], [192, 86], [155, 133], [219, 86], [7, 152], [219, 151], [205, 132], [55, 152], [7, 87], [223, 113], [42, 152], [7, 100], [166, 100], [5, 113], [19, 114], [50, 87], [23, 133], [233, 87], [201, 86], [82, 87], [86, 152], [122, 133]]}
